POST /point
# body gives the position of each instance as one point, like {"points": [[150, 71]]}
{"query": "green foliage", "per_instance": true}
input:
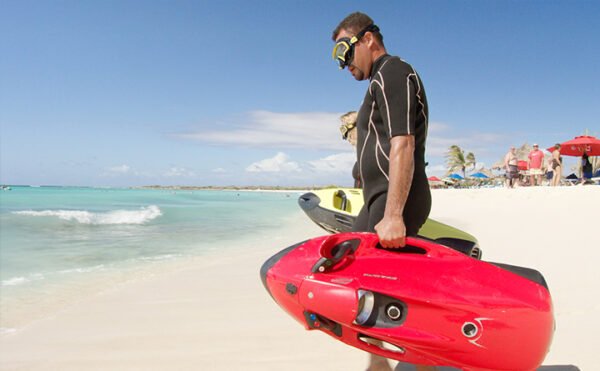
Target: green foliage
{"points": [[457, 161]]}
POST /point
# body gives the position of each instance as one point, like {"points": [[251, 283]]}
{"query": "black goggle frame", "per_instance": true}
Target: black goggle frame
{"points": [[344, 56]]}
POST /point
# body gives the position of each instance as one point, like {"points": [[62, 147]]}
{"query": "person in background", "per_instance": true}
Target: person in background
{"points": [[511, 163], [549, 171], [586, 167], [392, 129], [348, 130], [556, 166], [536, 163]]}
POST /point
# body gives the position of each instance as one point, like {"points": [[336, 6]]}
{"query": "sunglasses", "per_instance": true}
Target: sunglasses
{"points": [[343, 50]]}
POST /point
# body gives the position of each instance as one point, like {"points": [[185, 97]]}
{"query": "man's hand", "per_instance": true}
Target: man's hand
{"points": [[391, 232]]}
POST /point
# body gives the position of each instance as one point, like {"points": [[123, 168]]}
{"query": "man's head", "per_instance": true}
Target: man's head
{"points": [[535, 147], [358, 44]]}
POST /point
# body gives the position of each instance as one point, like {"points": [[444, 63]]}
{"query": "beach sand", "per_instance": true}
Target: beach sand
{"points": [[212, 313]]}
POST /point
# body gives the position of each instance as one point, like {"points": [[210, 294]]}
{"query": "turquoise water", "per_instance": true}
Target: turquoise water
{"points": [[55, 235]]}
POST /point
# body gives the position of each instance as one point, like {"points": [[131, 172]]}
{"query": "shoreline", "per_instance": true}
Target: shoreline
{"points": [[195, 316], [44, 299], [236, 188]]}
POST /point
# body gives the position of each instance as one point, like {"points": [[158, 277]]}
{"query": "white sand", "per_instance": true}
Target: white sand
{"points": [[214, 314]]}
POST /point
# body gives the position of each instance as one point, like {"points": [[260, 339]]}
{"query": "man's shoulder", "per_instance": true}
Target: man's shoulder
{"points": [[392, 68], [396, 64]]}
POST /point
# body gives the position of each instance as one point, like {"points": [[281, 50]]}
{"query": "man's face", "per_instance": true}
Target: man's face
{"points": [[535, 148], [360, 67]]}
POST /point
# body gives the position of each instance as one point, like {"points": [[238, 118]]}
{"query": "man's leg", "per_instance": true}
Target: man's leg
{"points": [[376, 211], [361, 223], [364, 223]]}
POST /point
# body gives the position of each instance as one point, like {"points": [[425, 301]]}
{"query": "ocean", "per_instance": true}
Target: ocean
{"points": [[58, 243]]}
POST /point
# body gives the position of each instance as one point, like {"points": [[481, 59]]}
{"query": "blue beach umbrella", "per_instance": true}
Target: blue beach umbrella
{"points": [[479, 175], [455, 176]]}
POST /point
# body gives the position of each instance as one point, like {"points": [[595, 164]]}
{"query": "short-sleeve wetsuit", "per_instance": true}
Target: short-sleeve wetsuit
{"points": [[395, 104]]}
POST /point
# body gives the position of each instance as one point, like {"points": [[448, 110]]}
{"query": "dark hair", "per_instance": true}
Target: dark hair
{"points": [[355, 23], [557, 145]]}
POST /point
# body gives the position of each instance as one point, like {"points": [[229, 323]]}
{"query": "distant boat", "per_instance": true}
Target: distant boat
{"points": [[6, 188]]}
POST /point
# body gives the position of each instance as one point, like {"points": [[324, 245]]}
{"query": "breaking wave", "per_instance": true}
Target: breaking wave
{"points": [[15, 281], [141, 216]]}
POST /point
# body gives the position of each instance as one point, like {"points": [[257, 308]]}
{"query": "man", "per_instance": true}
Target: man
{"points": [[392, 127], [587, 168], [536, 162], [511, 163], [348, 130]]}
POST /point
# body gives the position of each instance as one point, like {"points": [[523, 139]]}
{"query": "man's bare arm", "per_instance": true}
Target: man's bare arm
{"points": [[391, 229]]}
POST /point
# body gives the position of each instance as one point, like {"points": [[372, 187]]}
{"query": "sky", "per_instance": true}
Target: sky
{"points": [[130, 93]]}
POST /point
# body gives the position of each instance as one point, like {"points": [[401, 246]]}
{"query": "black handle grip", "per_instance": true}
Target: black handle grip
{"points": [[338, 252]]}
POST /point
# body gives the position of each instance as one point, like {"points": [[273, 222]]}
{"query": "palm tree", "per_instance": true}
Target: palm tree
{"points": [[456, 159]]}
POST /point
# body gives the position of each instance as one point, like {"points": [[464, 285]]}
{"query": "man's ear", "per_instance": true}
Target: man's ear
{"points": [[370, 39]]}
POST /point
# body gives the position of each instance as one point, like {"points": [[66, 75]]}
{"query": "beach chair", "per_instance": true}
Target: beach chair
{"points": [[596, 177], [570, 180]]}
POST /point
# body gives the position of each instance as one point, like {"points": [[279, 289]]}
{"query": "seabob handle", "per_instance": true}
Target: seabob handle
{"points": [[337, 247]]}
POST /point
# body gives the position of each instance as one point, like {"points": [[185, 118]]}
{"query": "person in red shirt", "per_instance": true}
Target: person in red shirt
{"points": [[536, 163]]}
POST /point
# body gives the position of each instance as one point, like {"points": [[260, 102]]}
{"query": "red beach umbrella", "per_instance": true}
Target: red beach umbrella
{"points": [[434, 179], [522, 165], [576, 147]]}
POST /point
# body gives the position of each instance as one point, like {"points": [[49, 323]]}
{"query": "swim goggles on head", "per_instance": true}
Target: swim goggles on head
{"points": [[345, 129], [343, 51]]}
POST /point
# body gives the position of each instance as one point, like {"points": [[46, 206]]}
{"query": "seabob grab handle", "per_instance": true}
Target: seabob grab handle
{"points": [[342, 246]]}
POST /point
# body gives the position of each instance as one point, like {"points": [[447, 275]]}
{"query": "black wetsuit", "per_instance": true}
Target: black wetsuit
{"points": [[395, 104], [356, 175]]}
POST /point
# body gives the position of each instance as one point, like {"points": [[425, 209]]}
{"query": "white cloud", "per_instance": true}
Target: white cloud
{"points": [[219, 170], [309, 130], [277, 164], [479, 165], [337, 163], [437, 127], [179, 172], [320, 130], [121, 169], [436, 169], [442, 136]]}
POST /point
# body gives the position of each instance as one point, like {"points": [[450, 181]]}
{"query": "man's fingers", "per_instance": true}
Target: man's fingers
{"points": [[384, 242], [397, 243], [376, 228], [392, 244]]}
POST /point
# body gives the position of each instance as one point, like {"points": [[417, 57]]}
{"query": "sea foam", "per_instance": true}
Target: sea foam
{"points": [[141, 216], [15, 281]]}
